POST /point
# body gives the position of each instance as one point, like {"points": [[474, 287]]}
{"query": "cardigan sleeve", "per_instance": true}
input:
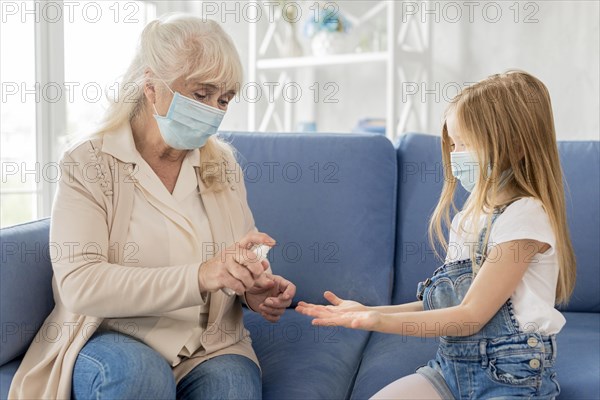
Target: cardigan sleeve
{"points": [[87, 282]]}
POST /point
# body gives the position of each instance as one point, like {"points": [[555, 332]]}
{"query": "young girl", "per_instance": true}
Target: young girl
{"points": [[509, 256]]}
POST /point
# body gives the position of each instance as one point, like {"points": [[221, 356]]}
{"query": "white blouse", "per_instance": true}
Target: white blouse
{"points": [[183, 240]]}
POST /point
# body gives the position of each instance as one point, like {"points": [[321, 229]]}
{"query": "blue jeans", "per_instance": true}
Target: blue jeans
{"points": [[113, 365]]}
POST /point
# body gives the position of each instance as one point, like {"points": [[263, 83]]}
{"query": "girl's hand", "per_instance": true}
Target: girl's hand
{"points": [[366, 320], [347, 313], [338, 304]]}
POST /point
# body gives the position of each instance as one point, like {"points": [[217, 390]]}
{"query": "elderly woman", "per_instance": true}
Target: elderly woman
{"points": [[151, 235]]}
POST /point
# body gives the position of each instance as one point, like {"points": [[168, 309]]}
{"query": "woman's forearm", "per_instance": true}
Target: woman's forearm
{"points": [[108, 290], [399, 308]]}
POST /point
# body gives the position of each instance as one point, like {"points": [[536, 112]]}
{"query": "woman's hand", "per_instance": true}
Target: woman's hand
{"points": [[271, 295], [346, 313], [236, 267]]}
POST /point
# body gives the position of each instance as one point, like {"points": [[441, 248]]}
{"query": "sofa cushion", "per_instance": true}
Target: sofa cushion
{"points": [[298, 360], [7, 371], [390, 357], [577, 366], [25, 285], [330, 202], [578, 356], [302, 361]]}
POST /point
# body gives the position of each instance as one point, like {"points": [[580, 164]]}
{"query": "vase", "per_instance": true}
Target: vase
{"points": [[326, 43], [292, 48]]}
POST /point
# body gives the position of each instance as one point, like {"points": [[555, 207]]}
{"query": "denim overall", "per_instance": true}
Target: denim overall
{"points": [[500, 361]]}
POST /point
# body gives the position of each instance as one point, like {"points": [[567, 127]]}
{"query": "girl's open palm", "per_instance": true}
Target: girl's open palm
{"points": [[346, 313], [337, 304]]}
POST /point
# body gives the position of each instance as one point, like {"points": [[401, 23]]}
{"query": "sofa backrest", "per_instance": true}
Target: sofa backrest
{"points": [[25, 285], [581, 168], [420, 181], [330, 202]]}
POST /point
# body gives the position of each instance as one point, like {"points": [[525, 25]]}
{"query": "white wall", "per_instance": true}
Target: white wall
{"points": [[561, 48]]}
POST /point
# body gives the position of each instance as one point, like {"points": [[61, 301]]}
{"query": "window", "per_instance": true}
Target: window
{"points": [[57, 61], [96, 55], [18, 190]]}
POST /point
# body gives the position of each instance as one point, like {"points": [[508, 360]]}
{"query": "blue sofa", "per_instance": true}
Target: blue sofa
{"points": [[350, 215]]}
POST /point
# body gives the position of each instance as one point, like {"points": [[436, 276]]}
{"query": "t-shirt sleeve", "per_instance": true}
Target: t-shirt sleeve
{"points": [[524, 219]]}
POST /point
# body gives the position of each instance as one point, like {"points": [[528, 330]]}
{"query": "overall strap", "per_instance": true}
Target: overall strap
{"points": [[481, 250]]}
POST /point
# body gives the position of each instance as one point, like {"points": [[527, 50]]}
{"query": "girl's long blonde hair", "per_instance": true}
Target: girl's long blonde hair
{"points": [[173, 46], [507, 120]]}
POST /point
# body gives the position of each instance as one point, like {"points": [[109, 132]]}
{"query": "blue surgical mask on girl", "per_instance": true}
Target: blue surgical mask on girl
{"points": [[465, 168], [188, 123]]}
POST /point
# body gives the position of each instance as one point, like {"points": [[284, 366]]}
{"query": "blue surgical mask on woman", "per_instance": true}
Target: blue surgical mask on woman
{"points": [[465, 168], [188, 123]]}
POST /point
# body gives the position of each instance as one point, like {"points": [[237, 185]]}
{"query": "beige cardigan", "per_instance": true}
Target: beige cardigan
{"points": [[91, 212]]}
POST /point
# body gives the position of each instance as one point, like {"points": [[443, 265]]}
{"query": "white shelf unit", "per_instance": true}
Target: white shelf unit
{"points": [[408, 42], [313, 61]]}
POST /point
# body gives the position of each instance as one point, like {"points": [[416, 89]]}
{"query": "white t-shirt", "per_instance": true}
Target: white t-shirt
{"points": [[533, 299]]}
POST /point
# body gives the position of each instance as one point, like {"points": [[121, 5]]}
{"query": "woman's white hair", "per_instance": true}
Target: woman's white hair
{"points": [[173, 46]]}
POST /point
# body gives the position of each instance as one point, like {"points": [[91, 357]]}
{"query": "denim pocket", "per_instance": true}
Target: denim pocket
{"points": [[555, 381], [445, 292], [515, 370]]}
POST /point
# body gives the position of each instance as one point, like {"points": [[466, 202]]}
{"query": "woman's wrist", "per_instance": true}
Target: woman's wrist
{"points": [[201, 283], [248, 302], [201, 288]]}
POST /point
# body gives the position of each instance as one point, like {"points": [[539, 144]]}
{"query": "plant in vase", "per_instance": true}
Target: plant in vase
{"points": [[327, 32]]}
